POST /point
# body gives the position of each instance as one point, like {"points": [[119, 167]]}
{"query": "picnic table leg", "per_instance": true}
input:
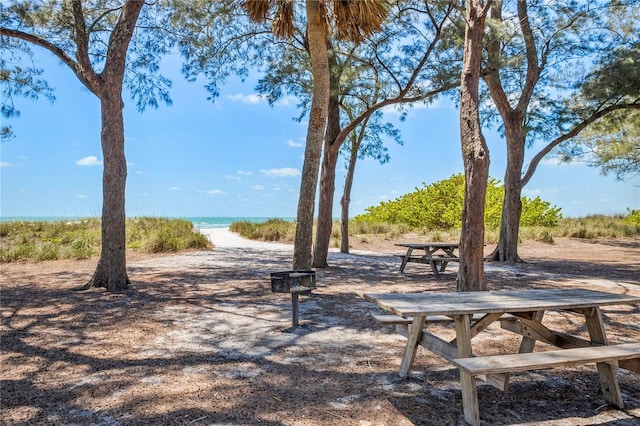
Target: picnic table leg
{"points": [[467, 381], [526, 346], [415, 331], [608, 379], [434, 266], [295, 309], [405, 259]]}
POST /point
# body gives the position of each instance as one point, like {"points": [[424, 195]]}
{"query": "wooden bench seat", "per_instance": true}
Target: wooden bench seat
{"points": [[550, 359], [445, 259], [396, 319]]}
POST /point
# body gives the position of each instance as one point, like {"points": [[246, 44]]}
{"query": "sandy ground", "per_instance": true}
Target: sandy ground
{"points": [[201, 339]]}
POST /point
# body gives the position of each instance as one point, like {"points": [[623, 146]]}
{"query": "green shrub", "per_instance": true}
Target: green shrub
{"points": [[633, 218], [439, 206], [536, 212]]}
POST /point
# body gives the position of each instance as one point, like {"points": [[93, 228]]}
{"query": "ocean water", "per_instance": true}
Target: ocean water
{"points": [[225, 222], [199, 222]]}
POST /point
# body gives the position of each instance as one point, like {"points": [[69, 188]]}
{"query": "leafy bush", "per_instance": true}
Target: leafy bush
{"points": [[439, 206], [633, 218], [536, 212]]}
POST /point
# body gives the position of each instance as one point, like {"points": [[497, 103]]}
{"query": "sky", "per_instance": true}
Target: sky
{"points": [[240, 157]]}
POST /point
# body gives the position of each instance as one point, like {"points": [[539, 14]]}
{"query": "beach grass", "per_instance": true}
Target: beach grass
{"points": [[80, 239], [589, 227]]}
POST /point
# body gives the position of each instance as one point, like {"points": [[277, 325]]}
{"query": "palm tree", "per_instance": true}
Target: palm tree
{"points": [[353, 21]]}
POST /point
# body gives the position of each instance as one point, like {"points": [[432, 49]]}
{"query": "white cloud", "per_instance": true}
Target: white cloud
{"points": [[138, 172], [243, 173], [4, 164], [257, 187], [282, 172], [175, 188], [293, 144], [287, 101], [81, 196], [91, 160], [247, 99], [214, 192], [556, 161], [539, 192]]}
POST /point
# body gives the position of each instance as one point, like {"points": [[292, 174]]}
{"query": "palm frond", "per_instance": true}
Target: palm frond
{"points": [[283, 25], [258, 10], [357, 19]]}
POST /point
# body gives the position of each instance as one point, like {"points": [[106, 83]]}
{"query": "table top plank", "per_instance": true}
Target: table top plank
{"points": [[462, 303], [428, 245]]}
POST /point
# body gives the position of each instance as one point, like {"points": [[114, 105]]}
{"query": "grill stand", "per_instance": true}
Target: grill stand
{"points": [[296, 283]]}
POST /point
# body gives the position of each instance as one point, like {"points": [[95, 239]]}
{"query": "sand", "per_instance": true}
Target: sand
{"points": [[201, 339]]}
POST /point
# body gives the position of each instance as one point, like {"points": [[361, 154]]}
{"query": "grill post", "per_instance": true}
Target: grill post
{"points": [[296, 283], [294, 309]]}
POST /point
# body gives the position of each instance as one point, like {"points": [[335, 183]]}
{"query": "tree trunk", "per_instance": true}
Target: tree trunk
{"points": [[346, 199], [514, 120], [328, 173], [507, 249], [111, 271], [315, 132], [475, 155]]}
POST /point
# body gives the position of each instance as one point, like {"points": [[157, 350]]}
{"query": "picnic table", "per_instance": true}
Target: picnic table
{"points": [[520, 312], [437, 255]]}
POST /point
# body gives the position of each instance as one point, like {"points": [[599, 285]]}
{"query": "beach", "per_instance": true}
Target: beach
{"points": [[201, 339]]}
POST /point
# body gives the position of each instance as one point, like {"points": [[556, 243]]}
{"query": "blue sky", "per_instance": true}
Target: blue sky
{"points": [[239, 157]]}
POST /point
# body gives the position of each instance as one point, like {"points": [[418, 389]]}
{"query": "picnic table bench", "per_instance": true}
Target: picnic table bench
{"points": [[520, 312]]}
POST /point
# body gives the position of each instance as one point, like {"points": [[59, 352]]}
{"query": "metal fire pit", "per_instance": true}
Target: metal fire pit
{"points": [[296, 283]]}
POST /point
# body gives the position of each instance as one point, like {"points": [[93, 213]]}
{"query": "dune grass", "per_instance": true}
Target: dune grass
{"points": [[597, 226], [80, 239]]}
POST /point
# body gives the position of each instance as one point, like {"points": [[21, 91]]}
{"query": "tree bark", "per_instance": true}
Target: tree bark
{"points": [[475, 154], [346, 197], [328, 173], [111, 271], [316, 34], [507, 249]]}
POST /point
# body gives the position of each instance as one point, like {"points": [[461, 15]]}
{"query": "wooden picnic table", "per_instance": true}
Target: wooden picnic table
{"points": [[437, 255], [520, 312]]}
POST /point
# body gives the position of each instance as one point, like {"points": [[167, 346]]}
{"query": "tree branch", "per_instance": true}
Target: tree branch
{"points": [[533, 70], [82, 52], [58, 52], [572, 133]]}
